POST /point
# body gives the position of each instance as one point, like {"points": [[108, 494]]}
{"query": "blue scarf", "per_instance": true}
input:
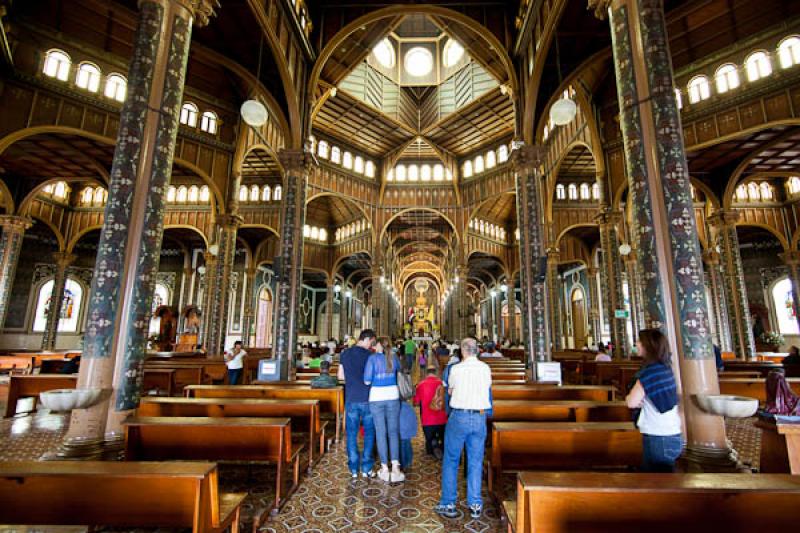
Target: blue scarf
{"points": [[659, 386]]}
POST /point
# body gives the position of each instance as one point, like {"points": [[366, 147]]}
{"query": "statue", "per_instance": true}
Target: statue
{"points": [[781, 400]]}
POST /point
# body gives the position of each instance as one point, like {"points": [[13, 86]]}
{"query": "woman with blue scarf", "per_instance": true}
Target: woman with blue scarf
{"points": [[656, 395]]}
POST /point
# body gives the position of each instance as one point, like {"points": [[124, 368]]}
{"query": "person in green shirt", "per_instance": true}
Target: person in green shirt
{"points": [[324, 380], [410, 353], [315, 362]]}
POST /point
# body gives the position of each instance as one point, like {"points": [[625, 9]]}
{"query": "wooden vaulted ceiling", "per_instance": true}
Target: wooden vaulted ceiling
{"points": [[331, 212], [501, 210], [258, 164], [578, 164]]}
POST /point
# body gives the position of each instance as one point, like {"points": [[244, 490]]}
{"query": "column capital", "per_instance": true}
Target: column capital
{"points": [[791, 257], [15, 222], [600, 8], [591, 271], [724, 219], [711, 257], [631, 258], [251, 272], [64, 259], [553, 254], [229, 221], [608, 217], [298, 161], [210, 259], [528, 157], [201, 10]]}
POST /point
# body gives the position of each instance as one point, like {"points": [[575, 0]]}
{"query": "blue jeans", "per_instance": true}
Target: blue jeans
{"points": [[463, 428], [356, 415], [659, 453], [234, 376], [386, 415], [406, 453]]}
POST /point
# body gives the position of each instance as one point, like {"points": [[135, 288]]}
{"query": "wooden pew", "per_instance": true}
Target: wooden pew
{"points": [[107, 493], [560, 502], [29, 386], [559, 411], [739, 374], [518, 446], [23, 364], [533, 391], [753, 388], [304, 414], [160, 379], [752, 366], [218, 439], [331, 401]]}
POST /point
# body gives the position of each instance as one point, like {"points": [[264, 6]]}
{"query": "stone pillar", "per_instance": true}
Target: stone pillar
{"points": [[611, 273], [342, 313], [594, 311], [499, 315], [329, 307], [63, 260], [130, 242], [792, 260], [289, 271], [723, 223], [13, 231], [631, 262], [461, 301], [554, 289], [376, 299], [527, 161], [209, 287], [717, 307], [219, 299], [664, 230], [249, 305]]}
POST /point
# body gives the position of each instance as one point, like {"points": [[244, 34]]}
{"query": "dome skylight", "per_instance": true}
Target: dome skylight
{"points": [[452, 54], [418, 62], [384, 53]]}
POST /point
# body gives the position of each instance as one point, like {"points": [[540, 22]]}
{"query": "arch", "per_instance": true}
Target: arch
{"points": [[26, 202], [775, 233], [599, 170], [8, 200], [711, 197], [77, 237], [566, 230], [420, 208], [262, 226], [339, 261], [352, 200], [258, 146]]}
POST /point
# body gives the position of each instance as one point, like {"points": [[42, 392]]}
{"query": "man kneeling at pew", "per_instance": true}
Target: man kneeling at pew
{"points": [[324, 380]]}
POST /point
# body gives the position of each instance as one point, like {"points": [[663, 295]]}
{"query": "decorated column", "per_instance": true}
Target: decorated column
{"points": [[664, 230], [249, 305], [554, 289], [718, 309], [63, 260], [329, 307], [594, 311], [611, 274], [376, 299], [527, 161], [723, 225], [130, 241], [13, 231], [634, 292], [220, 277], [209, 287], [289, 264]]}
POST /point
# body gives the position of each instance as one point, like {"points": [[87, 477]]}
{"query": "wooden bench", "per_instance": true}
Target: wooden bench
{"points": [[331, 401], [29, 386], [753, 387], [533, 391], [518, 446], [218, 439], [304, 414], [559, 411], [752, 366], [159, 379], [99, 493], [560, 502], [21, 364]]}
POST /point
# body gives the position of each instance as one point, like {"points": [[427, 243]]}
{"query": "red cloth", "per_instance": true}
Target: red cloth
{"points": [[425, 392]]}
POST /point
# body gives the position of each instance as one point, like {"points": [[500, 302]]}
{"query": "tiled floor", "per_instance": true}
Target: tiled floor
{"points": [[327, 500]]}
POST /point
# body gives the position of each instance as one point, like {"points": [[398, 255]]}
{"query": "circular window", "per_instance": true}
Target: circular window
{"points": [[418, 61], [453, 52], [384, 53]]}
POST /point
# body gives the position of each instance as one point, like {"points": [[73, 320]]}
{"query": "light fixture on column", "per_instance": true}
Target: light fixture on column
{"points": [[504, 287], [201, 269], [456, 279], [383, 279], [213, 249], [624, 249], [337, 288], [493, 293], [348, 293]]}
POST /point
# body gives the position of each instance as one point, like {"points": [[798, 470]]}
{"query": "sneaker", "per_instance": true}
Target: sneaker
{"points": [[354, 475], [438, 454], [369, 474], [384, 474], [447, 511], [475, 510], [396, 475]]}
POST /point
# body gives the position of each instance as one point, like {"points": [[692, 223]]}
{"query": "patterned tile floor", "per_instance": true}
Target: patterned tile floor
{"points": [[327, 500]]}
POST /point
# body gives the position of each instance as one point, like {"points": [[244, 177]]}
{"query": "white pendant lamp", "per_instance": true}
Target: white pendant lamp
{"points": [[563, 111], [254, 113]]}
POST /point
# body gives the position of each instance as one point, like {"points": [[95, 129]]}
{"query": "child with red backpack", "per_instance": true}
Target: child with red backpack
{"points": [[430, 396]]}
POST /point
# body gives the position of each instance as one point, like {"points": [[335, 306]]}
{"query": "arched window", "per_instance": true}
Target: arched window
{"points": [[60, 191], [315, 233], [438, 172], [561, 193], [794, 185], [425, 173], [88, 77], [116, 87], [467, 169], [255, 193], [323, 235], [546, 132], [189, 114], [452, 53], [384, 53], [400, 173], [679, 98], [205, 194], [70, 306], [266, 193], [369, 169], [413, 173], [471, 223], [208, 122], [741, 193], [171, 194], [482, 226], [87, 196], [183, 194], [56, 65], [306, 231], [491, 159], [757, 66], [194, 194], [502, 154], [100, 196], [313, 142], [789, 51], [596, 191], [753, 192], [277, 193], [785, 309], [572, 191], [726, 78], [358, 164], [160, 297], [243, 193], [336, 155], [322, 149], [585, 191], [699, 89], [766, 191], [479, 164], [347, 161]]}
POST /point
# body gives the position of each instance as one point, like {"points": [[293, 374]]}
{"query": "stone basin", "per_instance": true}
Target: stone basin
{"points": [[727, 405], [64, 400]]}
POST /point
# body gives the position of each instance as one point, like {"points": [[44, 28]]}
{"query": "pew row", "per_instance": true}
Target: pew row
{"points": [[753, 388], [560, 502], [29, 386], [104, 493], [533, 391], [559, 411], [266, 440]]}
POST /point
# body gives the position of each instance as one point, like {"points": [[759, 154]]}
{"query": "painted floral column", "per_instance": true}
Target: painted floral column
{"points": [[554, 289], [611, 274], [376, 299], [13, 231], [719, 310], [723, 224], [631, 262], [664, 231], [119, 303], [594, 311], [527, 164], [209, 288], [220, 298], [249, 305], [329, 308], [289, 264], [63, 260]]}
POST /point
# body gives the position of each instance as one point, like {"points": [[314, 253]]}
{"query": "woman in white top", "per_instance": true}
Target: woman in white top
{"points": [[234, 360]]}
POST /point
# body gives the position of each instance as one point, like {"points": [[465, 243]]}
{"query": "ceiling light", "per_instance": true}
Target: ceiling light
{"points": [[453, 52], [384, 53], [213, 249], [563, 111], [337, 288], [254, 113], [504, 287], [418, 61], [624, 249]]}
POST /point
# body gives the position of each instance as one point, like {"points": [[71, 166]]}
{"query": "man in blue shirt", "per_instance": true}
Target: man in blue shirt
{"points": [[356, 404]]}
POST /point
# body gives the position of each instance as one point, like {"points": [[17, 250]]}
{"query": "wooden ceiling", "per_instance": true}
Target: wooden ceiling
{"points": [[260, 164], [330, 212], [500, 210], [578, 164], [51, 156], [485, 268]]}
